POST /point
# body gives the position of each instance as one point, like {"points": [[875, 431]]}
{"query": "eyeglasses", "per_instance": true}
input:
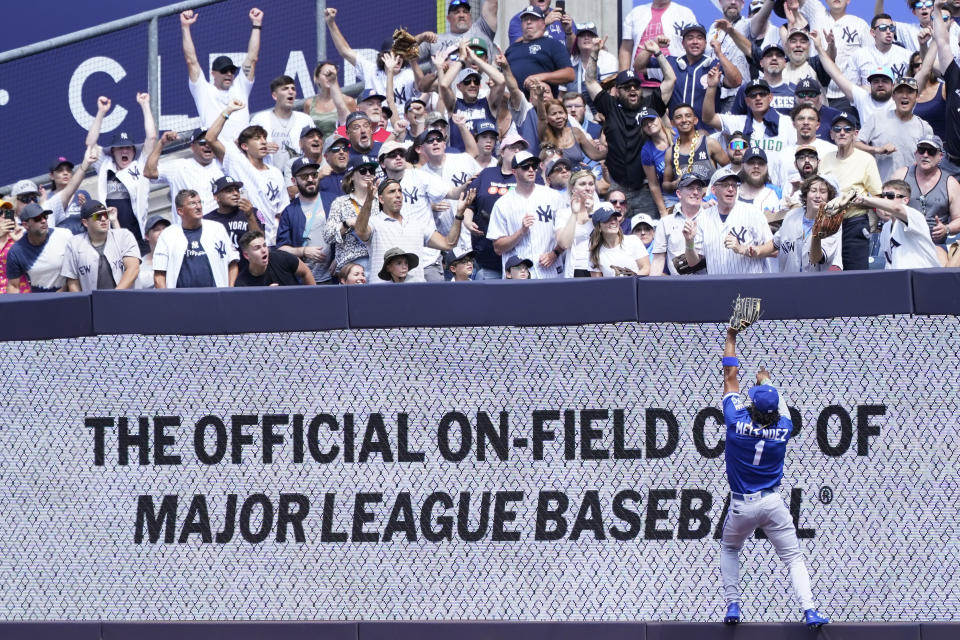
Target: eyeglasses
{"points": [[890, 195], [399, 153], [472, 80], [617, 203], [924, 4], [927, 151], [25, 199], [883, 28], [727, 184], [562, 167], [841, 128], [807, 94], [366, 170], [738, 145], [338, 148], [806, 157]]}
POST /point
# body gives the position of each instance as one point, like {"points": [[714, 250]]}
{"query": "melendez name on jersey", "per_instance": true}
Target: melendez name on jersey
{"points": [[754, 454]]}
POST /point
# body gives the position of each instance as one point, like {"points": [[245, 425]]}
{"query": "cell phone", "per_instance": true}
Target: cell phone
{"points": [[562, 5], [9, 215]]}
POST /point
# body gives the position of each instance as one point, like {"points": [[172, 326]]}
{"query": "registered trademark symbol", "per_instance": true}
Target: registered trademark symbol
{"points": [[826, 495]]}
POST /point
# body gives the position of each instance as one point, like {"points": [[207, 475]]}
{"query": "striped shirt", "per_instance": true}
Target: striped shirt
{"points": [[669, 239], [746, 223], [544, 204]]}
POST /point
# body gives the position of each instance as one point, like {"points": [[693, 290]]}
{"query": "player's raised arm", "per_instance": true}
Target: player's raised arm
{"points": [[731, 366]]}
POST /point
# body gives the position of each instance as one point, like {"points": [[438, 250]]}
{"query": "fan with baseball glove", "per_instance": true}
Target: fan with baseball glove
{"points": [[830, 215]]}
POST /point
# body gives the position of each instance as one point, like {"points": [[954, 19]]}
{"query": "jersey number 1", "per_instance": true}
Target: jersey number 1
{"points": [[759, 449]]}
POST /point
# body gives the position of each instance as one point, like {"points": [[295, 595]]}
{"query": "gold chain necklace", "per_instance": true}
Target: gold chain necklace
{"points": [[676, 154]]}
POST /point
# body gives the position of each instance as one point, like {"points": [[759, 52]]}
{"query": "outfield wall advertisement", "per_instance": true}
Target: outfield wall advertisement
{"points": [[564, 473]]}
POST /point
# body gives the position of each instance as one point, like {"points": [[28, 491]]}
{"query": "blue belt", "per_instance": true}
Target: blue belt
{"points": [[753, 496]]}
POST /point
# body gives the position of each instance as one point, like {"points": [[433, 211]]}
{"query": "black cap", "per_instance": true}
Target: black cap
{"points": [[848, 116], [59, 162], [223, 182], [224, 64], [754, 152], [91, 207], [198, 135], [301, 163], [756, 83]]}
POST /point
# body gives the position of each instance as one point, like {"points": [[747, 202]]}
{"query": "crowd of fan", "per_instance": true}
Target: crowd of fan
{"points": [[693, 149]]}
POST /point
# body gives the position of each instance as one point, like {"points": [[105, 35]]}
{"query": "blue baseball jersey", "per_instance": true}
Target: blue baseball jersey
{"points": [[754, 454]]}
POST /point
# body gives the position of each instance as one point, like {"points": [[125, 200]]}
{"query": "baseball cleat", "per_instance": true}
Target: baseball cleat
{"points": [[813, 619], [733, 614]]}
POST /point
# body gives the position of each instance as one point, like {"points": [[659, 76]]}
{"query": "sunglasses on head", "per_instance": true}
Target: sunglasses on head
{"points": [[25, 199], [846, 128], [738, 145], [890, 195]]}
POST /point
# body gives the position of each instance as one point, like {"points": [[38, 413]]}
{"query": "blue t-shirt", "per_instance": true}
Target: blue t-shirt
{"points": [[40, 264], [474, 113], [196, 271], [332, 183], [651, 156], [754, 455], [542, 55]]}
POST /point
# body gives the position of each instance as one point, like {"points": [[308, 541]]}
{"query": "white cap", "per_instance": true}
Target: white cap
{"points": [[24, 186]]}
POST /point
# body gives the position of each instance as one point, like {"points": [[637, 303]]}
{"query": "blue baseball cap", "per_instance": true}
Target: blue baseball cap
{"points": [[485, 126], [369, 94], [301, 163], [754, 152], [602, 214], [516, 261], [457, 3], [121, 139], [765, 398], [353, 117]]}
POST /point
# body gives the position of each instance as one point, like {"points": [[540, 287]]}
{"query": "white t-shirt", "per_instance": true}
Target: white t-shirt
{"points": [[285, 133], [265, 189], [850, 33], [507, 216], [868, 108], [211, 102], [421, 189], [865, 61], [457, 169], [623, 255], [908, 246], [674, 17], [404, 83], [187, 173], [793, 239]]}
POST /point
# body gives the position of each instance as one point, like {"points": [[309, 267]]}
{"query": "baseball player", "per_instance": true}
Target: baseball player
{"points": [[757, 435]]}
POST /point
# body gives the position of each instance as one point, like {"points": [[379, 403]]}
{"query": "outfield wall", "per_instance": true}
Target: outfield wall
{"points": [[498, 451]]}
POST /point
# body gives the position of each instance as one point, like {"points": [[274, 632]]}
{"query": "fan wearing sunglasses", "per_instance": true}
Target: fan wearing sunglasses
{"points": [[908, 32], [884, 53], [934, 192], [905, 240], [852, 167]]}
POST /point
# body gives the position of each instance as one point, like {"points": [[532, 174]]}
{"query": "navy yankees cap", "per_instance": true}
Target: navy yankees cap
{"points": [[765, 398], [485, 126], [772, 47], [691, 177], [809, 84], [223, 182], [353, 117], [690, 28], [121, 139], [602, 214], [626, 77], [302, 163], [457, 3], [848, 116], [516, 261], [754, 152], [756, 83], [370, 94], [198, 135], [531, 10]]}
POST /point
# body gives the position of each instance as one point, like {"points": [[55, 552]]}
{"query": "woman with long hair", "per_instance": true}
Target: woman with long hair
{"points": [[653, 157], [358, 182], [610, 252], [553, 128], [574, 236], [932, 97], [323, 106]]}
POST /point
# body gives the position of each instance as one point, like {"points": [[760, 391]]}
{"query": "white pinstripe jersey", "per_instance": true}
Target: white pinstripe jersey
{"points": [[507, 217], [746, 223]]}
